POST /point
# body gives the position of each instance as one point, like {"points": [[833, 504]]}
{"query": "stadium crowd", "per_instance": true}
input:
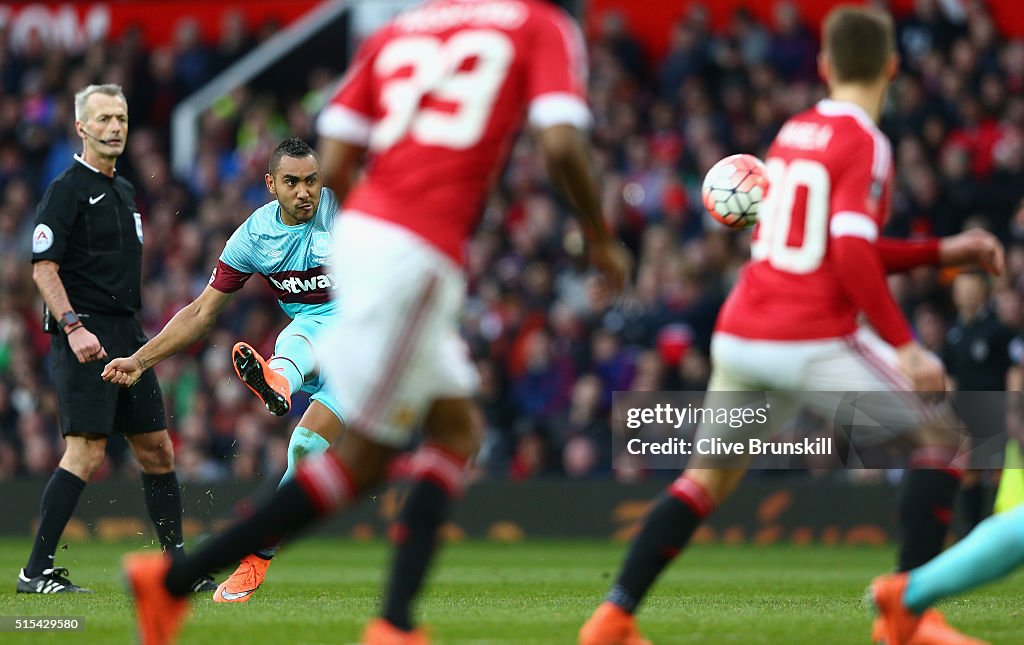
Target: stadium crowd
{"points": [[550, 351]]}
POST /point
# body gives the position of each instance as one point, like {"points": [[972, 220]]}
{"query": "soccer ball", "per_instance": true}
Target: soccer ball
{"points": [[734, 188]]}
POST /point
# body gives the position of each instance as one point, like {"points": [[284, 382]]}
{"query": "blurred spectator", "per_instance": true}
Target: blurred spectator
{"points": [[531, 456], [626, 49], [542, 388], [584, 431], [235, 40], [793, 48], [687, 58], [751, 37], [193, 64]]}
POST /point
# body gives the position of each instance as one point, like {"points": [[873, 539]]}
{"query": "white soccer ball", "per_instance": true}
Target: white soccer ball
{"points": [[733, 190]]}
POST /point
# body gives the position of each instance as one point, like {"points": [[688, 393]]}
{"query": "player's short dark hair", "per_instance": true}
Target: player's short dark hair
{"points": [[859, 41], [291, 147]]}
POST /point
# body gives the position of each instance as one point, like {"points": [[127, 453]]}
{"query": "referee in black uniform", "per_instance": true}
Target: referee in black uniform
{"points": [[87, 263], [978, 358]]}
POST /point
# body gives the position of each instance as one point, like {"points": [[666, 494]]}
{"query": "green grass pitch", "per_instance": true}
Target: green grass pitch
{"points": [[324, 591]]}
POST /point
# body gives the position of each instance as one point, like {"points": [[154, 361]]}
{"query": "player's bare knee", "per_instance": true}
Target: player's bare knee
{"points": [[475, 430], [365, 459], [718, 483], [457, 425], [466, 437], [320, 420], [940, 436]]}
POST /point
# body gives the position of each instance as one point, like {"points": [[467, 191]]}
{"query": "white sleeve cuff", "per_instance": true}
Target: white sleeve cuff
{"points": [[853, 224], [559, 108], [344, 124]]}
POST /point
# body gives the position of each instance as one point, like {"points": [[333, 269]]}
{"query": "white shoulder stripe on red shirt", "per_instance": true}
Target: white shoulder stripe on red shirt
{"points": [[882, 156], [341, 123], [882, 153], [559, 108], [852, 224]]}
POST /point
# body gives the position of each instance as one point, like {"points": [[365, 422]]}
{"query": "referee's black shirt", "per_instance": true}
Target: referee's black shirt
{"points": [[978, 353], [87, 223]]}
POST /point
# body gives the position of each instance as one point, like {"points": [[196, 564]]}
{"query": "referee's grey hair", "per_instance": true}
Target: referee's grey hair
{"points": [[110, 89]]}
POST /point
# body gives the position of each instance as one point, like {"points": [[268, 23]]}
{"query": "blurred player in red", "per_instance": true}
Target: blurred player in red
{"points": [[791, 322], [436, 97]]}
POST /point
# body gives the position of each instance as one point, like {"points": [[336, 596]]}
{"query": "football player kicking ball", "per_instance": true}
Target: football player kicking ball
{"points": [[436, 96], [288, 242], [790, 323]]}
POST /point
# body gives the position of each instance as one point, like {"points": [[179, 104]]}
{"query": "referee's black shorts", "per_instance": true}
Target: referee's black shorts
{"points": [[984, 414], [90, 405]]}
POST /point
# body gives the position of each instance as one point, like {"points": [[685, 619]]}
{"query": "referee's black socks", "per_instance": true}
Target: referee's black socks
{"points": [[59, 500]]}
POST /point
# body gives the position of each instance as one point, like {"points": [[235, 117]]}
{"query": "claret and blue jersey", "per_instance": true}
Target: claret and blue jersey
{"points": [[294, 260]]}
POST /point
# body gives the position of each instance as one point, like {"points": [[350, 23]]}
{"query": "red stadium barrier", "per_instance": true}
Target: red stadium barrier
{"points": [[71, 26]]}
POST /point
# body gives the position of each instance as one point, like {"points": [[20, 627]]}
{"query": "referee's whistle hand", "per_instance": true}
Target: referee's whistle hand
{"points": [[86, 346]]}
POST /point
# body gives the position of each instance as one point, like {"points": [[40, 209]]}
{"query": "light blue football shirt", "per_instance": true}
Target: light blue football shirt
{"points": [[294, 260]]}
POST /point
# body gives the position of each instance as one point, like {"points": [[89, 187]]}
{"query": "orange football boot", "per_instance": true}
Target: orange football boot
{"points": [[159, 614], [246, 579], [270, 386], [611, 625], [897, 623], [934, 630], [878, 630], [381, 632]]}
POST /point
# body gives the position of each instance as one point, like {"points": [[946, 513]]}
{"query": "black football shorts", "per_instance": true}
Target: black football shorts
{"points": [[90, 405]]}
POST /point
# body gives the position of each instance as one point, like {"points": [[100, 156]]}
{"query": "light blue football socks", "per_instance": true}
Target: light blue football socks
{"points": [[304, 442], [991, 551], [294, 359]]}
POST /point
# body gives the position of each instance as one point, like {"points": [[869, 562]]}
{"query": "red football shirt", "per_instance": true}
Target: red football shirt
{"points": [[830, 174], [438, 95]]}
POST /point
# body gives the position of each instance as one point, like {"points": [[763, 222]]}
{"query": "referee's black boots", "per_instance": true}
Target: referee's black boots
{"points": [[49, 581]]}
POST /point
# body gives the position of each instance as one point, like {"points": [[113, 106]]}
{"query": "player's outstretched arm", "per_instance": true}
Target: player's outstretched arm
{"points": [[187, 326], [340, 162], [860, 270], [974, 246], [565, 151], [900, 255]]}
